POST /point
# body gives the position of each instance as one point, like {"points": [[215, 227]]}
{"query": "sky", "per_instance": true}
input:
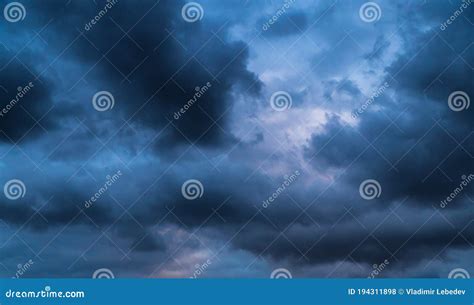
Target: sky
{"points": [[236, 139]]}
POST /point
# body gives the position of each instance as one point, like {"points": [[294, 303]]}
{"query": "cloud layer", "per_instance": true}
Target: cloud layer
{"points": [[279, 185]]}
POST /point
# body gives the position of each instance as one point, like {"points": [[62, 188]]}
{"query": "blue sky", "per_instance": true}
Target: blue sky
{"points": [[352, 116]]}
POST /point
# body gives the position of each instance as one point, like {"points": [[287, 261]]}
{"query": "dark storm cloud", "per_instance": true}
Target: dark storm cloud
{"points": [[441, 65], [412, 143], [155, 69], [312, 244], [295, 237], [57, 207], [408, 139], [406, 132], [148, 244], [25, 100], [414, 170]]}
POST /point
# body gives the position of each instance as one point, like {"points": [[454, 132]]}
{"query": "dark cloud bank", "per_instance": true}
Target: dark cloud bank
{"points": [[152, 61]]}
